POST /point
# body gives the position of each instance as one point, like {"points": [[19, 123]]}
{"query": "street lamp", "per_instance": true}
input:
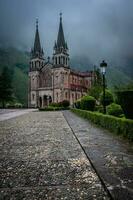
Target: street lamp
{"points": [[103, 66]]}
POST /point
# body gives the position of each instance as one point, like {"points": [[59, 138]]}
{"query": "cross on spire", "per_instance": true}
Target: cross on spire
{"points": [[37, 23], [60, 16], [61, 38], [37, 51]]}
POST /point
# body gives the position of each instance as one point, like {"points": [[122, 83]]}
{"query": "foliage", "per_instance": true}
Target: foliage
{"points": [[88, 103], [18, 62], [96, 88], [98, 78], [114, 109], [65, 103], [78, 104], [125, 99], [53, 104], [95, 91], [116, 76], [99, 108], [13, 105], [20, 86], [18, 105], [119, 126], [5, 86], [52, 108], [108, 98], [128, 86]]}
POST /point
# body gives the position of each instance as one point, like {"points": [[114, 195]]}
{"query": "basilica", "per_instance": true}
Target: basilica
{"points": [[55, 80]]}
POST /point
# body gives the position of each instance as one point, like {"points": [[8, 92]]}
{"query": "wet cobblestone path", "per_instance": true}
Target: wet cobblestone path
{"points": [[40, 158], [111, 157]]}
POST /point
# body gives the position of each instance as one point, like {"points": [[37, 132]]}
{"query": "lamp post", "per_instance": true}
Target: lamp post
{"points": [[103, 66]]}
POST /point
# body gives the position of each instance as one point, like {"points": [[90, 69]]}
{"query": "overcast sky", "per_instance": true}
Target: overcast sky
{"points": [[98, 29]]}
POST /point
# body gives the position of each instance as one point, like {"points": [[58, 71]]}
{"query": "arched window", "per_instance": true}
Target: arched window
{"points": [[63, 60]]}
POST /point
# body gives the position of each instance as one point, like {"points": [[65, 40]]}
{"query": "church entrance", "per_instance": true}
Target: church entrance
{"points": [[45, 100], [40, 102]]}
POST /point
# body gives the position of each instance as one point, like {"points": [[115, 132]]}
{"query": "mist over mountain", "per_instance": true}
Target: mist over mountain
{"points": [[94, 29], [18, 62]]}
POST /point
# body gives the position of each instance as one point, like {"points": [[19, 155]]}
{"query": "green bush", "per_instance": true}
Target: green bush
{"points": [[108, 98], [114, 109], [55, 104], [78, 104], [13, 105], [51, 108], [88, 103], [119, 126], [10, 105], [95, 91], [65, 103], [125, 99], [18, 105]]}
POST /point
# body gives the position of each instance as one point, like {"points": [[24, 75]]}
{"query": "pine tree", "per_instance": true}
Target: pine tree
{"points": [[5, 86]]}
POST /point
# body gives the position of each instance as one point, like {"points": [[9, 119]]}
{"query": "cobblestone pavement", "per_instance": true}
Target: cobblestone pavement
{"points": [[11, 113], [112, 157], [40, 158]]}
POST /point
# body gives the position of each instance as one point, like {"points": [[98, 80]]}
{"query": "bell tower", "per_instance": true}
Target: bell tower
{"points": [[37, 61], [37, 54], [60, 55]]}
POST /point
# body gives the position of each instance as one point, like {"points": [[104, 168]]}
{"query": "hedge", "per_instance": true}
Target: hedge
{"points": [[125, 99], [119, 126], [50, 108], [64, 104]]}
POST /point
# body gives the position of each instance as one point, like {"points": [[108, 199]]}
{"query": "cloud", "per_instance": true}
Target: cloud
{"points": [[95, 28]]}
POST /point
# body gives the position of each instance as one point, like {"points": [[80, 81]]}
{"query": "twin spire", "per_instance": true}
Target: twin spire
{"points": [[37, 51], [59, 46]]}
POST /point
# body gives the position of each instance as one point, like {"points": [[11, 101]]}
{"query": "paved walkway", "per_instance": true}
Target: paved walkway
{"points": [[57, 155], [40, 158], [11, 113], [111, 157]]}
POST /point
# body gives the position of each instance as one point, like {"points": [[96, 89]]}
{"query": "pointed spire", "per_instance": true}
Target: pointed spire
{"points": [[60, 38], [37, 50]]}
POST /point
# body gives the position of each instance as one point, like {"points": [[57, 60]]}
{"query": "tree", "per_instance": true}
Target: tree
{"points": [[98, 78], [96, 88], [5, 86]]}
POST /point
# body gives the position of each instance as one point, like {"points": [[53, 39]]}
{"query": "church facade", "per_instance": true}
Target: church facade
{"points": [[55, 81]]}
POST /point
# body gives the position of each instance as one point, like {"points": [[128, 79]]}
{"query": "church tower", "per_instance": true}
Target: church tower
{"points": [[61, 69], [36, 63], [37, 54], [60, 55]]}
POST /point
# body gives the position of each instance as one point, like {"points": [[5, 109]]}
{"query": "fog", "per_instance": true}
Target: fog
{"points": [[98, 29]]}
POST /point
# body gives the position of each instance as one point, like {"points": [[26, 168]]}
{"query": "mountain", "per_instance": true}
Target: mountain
{"points": [[116, 76], [18, 62]]}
